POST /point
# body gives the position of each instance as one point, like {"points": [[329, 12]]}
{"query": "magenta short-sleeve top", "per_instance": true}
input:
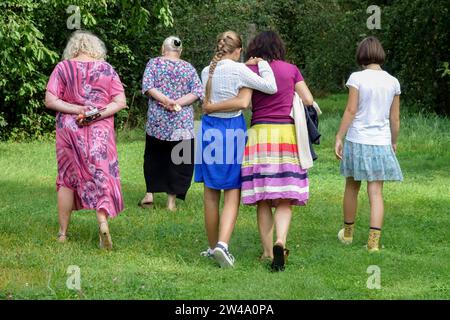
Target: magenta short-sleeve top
{"points": [[276, 108]]}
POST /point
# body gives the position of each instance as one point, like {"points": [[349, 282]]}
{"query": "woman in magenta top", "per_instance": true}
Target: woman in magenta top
{"points": [[276, 108], [88, 168], [271, 173]]}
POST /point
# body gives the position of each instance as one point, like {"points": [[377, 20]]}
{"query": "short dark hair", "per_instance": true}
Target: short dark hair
{"points": [[370, 51], [268, 46]]}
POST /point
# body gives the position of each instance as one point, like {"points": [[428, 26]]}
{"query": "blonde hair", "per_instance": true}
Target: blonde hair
{"points": [[172, 43], [227, 43], [82, 41]]}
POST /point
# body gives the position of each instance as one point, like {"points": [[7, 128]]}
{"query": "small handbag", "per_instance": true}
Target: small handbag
{"points": [[88, 117]]}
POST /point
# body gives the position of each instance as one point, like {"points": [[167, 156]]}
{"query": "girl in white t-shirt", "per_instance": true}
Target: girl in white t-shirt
{"points": [[371, 122]]}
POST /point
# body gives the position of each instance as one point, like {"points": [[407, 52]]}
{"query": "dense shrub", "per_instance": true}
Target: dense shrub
{"points": [[32, 37], [418, 39], [321, 37], [24, 58]]}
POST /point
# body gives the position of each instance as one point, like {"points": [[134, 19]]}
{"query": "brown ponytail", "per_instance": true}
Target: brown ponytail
{"points": [[227, 43]]}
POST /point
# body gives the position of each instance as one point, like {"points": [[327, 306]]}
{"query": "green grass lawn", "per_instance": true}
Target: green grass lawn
{"points": [[156, 253]]}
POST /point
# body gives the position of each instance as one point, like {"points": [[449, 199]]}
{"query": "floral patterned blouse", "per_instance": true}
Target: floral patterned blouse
{"points": [[175, 79]]}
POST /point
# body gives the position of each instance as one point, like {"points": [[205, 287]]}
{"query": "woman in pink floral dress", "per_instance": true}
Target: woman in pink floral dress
{"points": [[88, 171]]}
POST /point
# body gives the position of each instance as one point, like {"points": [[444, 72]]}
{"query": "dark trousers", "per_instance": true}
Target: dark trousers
{"points": [[168, 166]]}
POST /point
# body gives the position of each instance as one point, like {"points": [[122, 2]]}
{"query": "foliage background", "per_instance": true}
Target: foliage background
{"points": [[321, 36]]}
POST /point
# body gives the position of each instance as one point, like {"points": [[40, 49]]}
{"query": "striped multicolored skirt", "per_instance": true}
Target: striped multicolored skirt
{"points": [[271, 168]]}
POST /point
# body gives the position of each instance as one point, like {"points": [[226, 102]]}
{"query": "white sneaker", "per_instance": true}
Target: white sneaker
{"points": [[223, 257], [208, 253]]}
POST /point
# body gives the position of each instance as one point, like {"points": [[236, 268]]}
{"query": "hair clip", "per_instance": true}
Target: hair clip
{"points": [[177, 43]]}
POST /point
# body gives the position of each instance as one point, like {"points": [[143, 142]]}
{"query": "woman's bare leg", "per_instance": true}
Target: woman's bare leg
{"points": [[212, 200], [266, 226], [105, 236], [65, 206], [283, 216], [232, 199], [102, 217], [171, 202], [148, 198]]}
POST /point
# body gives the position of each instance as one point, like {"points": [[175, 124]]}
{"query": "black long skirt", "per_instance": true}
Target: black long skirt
{"points": [[168, 166]]}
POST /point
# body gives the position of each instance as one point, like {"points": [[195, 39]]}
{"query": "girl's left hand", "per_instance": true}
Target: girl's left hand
{"points": [[394, 147], [338, 149]]}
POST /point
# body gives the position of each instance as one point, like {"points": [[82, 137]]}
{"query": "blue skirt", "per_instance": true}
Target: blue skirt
{"points": [[219, 152], [370, 163]]}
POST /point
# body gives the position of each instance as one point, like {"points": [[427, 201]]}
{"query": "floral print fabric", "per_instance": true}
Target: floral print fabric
{"points": [[175, 79], [87, 156]]}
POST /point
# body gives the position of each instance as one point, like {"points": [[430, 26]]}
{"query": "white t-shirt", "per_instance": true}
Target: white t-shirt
{"points": [[377, 90]]}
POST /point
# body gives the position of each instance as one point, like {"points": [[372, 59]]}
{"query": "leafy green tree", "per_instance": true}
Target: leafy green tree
{"points": [[417, 39], [33, 35], [321, 37], [23, 53]]}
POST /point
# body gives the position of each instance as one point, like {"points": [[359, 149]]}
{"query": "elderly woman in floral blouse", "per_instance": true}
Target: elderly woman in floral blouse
{"points": [[172, 86]]}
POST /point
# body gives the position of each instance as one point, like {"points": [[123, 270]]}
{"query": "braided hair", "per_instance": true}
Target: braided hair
{"points": [[227, 43]]}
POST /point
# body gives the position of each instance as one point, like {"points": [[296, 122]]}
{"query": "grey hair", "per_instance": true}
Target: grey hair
{"points": [[172, 43]]}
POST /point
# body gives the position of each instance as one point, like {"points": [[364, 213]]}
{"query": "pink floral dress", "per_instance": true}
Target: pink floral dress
{"points": [[87, 156]]}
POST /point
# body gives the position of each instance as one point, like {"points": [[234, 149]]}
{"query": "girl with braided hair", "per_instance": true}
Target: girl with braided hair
{"points": [[222, 141], [273, 179]]}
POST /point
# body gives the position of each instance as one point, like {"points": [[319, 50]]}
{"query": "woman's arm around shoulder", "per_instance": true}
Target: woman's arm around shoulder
{"points": [[265, 83]]}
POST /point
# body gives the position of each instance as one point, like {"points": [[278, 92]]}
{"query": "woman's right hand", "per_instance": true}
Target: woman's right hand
{"points": [[169, 104], [338, 149], [253, 61], [206, 107]]}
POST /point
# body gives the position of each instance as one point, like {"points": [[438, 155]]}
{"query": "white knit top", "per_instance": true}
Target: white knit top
{"points": [[230, 76]]}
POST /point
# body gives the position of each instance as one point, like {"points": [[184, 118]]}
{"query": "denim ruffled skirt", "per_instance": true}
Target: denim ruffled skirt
{"points": [[370, 163]]}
